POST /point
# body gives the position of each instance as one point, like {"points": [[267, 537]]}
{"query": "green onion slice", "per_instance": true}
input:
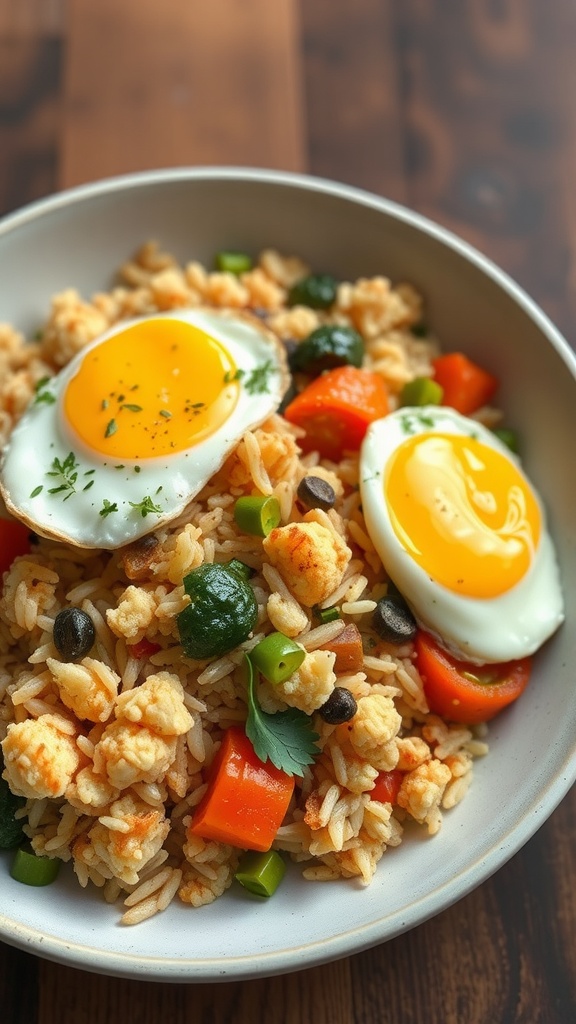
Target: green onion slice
{"points": [[260, 873], [256, 514], [233, 262], [421, 391], [328, 614], [277, 657], [30, 869]]}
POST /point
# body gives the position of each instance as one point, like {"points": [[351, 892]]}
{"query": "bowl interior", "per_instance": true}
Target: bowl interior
{"points": [[77, 240]]}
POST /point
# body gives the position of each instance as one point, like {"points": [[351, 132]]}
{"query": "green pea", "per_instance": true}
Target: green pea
{"points": [[256, 514], [318, 291], [421, 391], [260, 873], [232, 262], [277, 657]]}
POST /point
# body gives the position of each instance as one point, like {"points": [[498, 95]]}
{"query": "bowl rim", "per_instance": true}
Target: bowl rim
{"points": [[359, 938], [308, 182]]}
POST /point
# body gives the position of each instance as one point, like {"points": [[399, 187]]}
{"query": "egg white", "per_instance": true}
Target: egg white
{"points": [[171, 482], [481, 630]]}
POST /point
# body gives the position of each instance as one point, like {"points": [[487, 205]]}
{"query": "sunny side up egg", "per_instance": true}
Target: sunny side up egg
{"points": [[124, 437], [461, 532]]}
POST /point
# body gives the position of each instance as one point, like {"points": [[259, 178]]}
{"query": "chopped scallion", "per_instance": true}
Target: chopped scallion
{"points": [[260, 873], [257, 514], [277, 657], [328, 614], [32, 870], [231, 262], [421, 391]]}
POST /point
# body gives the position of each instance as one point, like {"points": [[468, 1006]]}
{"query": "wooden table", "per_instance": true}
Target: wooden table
{"points": [[463, 110]]}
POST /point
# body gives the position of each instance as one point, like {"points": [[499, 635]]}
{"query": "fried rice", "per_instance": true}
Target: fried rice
{"points": [[125, 830]]}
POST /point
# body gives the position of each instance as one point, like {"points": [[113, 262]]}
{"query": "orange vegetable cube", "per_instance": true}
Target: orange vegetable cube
{"points": [[246, 800], [466, 386]]}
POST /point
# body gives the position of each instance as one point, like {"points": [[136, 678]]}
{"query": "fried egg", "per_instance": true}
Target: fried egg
{"points": [[129, 432], [461, 532]]}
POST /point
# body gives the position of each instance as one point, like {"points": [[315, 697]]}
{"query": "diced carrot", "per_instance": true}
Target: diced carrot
{"points": [[387, 786], [14, 540], [466, 386], [336, 410], [348, 649], [246, 800]]}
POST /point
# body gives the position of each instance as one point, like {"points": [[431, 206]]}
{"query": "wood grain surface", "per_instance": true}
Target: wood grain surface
{"points": [[464, 110]]}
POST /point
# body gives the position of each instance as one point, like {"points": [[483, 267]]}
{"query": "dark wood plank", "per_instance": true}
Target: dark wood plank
{"points": [[31, 18], [18, 986], [31, 33], [487, 91], [353, 105], [29, 95], [30, 61], [322, 995], [183, 84]]}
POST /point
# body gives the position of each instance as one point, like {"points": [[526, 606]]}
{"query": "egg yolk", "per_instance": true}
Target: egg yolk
{"points": [[153, 389], [463, 511]]}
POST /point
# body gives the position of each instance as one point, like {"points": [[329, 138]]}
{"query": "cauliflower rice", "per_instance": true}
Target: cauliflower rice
{"points": [[112, 752]]}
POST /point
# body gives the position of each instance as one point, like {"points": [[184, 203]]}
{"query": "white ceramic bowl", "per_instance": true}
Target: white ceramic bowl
{"points": [[77, 239]]}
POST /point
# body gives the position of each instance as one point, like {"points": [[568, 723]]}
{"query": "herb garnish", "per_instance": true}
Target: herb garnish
{"points": [[37, 491], [131, 407], [41, 394], [67, 472], [285, 738], [256, 381], [193, 407], [410, 421], [111, 428], [146, 506], [107, 508]]}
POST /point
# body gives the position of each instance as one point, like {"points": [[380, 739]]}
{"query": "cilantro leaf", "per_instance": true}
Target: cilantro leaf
{"points": [[285, 738]]}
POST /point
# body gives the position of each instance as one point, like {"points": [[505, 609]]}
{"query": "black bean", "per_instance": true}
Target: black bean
{"points": [[314, 492], [393, 620], [340, 707], [74, 633]]}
